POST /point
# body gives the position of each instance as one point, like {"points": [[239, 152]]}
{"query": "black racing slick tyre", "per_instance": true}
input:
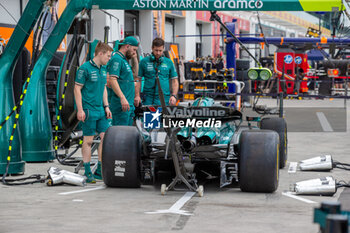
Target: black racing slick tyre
{"points": [[242, 75], [258, 161], [121, 157], [280, 126], [242, 64]]}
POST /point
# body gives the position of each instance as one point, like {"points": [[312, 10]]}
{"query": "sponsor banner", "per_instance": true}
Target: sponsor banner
{"points": [[222, 5]]}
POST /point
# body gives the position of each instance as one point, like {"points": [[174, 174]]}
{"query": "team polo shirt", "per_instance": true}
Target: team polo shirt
{"points": [[93, 79], [166, 71], [119, 66]]}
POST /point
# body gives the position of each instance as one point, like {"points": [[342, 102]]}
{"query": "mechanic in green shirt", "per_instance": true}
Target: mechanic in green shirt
{"points": [[92, 104], [122, 84], [148, 68]]}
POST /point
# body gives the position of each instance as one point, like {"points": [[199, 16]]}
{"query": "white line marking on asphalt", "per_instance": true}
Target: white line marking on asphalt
{"points": [[175, 209], [324, 122], [77, 200], [84, 190], [292, 167], [291, 195]]}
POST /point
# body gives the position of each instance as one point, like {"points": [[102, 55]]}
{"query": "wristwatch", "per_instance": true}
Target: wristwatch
{"points": [[174, 96], [105, 106]]}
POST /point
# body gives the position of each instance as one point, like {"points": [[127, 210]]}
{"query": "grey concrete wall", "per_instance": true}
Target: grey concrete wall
{"points": [[13, 7], [146, 30]]}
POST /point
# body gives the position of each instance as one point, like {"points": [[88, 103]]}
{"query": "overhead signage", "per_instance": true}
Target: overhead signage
{"points": [[200, 4], [220, 5]]}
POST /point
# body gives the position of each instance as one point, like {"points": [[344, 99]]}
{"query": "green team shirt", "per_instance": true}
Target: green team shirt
{"points": [[119, 66], [93, 79], [166, 71]]}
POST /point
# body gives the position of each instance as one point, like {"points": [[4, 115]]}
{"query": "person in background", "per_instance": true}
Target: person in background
{"points": [[157, 64], [122, 83]]}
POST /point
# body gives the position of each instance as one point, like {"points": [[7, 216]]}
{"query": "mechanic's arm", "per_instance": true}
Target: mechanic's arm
{"points": [[78, 102], [137, 99], [174, 91], [116, 88], [135, 66], [137, 79], [105, 104]]}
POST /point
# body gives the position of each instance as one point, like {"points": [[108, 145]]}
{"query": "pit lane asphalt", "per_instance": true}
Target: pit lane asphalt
{"points": [[39, 208]]}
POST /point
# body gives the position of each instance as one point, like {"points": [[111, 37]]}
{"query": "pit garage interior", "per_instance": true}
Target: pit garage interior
{"points": [[258, 140]]}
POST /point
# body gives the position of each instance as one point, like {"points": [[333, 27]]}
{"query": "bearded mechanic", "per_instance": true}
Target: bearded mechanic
{"points": [[158, 64], [121, 83]]}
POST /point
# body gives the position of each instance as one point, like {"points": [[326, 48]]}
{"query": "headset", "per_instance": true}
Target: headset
{"points": [[153, 59]]}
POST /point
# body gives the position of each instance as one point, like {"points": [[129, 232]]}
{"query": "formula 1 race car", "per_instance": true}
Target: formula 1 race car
{"points": [[205, 135]]}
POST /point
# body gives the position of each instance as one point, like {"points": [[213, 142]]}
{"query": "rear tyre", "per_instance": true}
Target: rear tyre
{"points": [[280, 126], [121, 157], [258, 161]]}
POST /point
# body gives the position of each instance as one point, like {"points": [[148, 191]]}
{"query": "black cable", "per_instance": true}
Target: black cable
{"points": [[36, 34], [343, 166], [73, 50], [341, 184], [337, 162], [36, 51], [18, 108], [37, 178], [68, 160]]}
